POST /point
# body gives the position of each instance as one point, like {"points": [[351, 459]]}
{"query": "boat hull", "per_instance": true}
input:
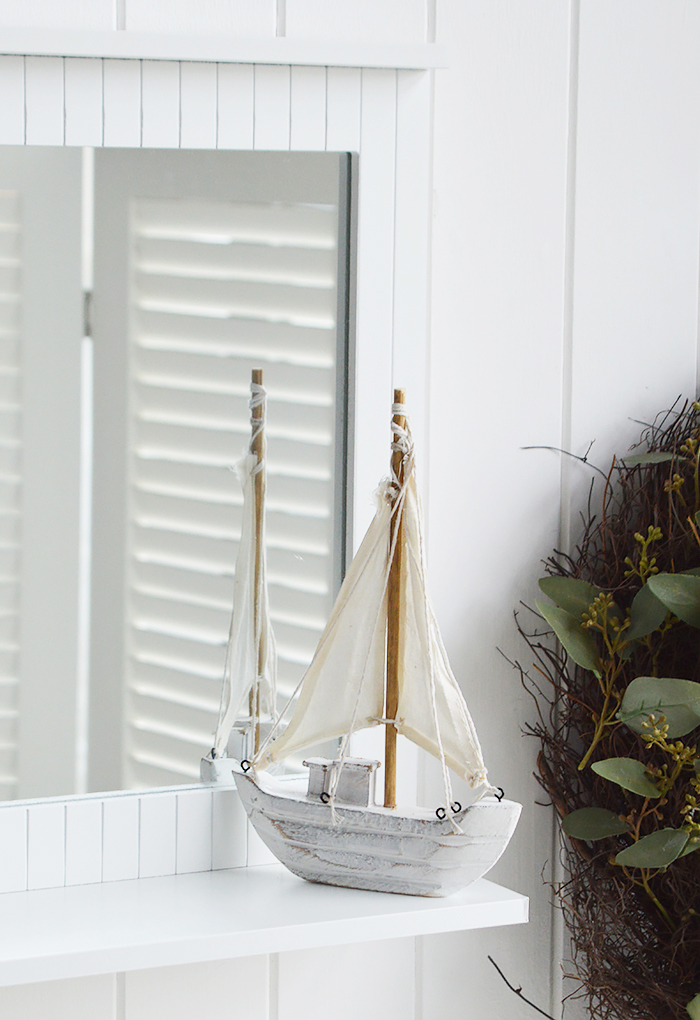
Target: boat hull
{"points": [[376, 848]]}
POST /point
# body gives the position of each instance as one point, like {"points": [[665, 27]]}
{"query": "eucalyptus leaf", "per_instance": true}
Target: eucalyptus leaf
{"points": [[680, 593], [578, 643], [693, 1007], [591, 823], [628, 773], [569, 593], [677, 699], [658, 850], [647, 613], [650, 457], [691, 846]]}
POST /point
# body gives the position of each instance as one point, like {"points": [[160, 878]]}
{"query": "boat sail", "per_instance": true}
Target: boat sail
{"points": [[380, 661], [250, 664]]}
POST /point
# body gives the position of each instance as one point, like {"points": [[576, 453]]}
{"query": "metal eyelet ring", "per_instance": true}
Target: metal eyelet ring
{"points": [[456, 807], [245, 765], [503, 793], [441, 813], [325, 797]]}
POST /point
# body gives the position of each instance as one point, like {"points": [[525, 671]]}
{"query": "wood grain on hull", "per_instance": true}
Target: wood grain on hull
{"points": [[377, 849]]}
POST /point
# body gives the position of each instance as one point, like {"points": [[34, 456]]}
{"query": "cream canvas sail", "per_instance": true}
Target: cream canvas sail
{"points": [[250, 656], [343, 689]]}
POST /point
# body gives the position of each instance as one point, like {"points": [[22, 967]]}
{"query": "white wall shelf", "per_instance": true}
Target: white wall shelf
{"points": [[221, 49], [120, 926]]}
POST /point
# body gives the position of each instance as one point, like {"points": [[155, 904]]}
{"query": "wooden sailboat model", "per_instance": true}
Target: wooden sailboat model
{"points": [[380, 661]]}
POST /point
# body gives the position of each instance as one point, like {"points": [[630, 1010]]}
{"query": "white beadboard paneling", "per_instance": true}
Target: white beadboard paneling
{"points": [[308, 108], [271, 128], [194, 830], [229, 830], [83, 101], [80, 14], [257, 852], [343, 109], [219, 17], [499, 246], [637, 222], [160, 99], [225, 988], [157, 838], [388, 21], [13, 840], [120, 839], [12, 106], [411, 244], [235, 109], [88, 998], [376, 980], [44, 100], [198, 106], [122, 103], [46, 846], [375, 283], [83, 842]]}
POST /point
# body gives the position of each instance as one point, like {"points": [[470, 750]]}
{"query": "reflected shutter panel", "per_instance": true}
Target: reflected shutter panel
{"points": [[10, 485], [219, 288]]}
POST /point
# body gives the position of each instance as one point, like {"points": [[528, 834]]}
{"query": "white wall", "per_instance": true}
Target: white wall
{"points": [[564, 303]]}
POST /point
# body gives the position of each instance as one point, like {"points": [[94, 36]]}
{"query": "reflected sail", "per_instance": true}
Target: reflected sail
{"points": [[250, 668]]}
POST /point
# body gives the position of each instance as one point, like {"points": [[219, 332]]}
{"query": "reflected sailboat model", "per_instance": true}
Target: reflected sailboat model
{"points": [[380, 662]]}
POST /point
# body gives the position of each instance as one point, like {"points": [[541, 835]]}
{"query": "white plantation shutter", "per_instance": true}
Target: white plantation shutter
{"points": [[208, 265], [10, 485], [219, 288]]}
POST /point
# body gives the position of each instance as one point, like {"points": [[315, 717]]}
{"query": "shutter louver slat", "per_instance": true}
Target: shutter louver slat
{"points": [[10, 485], [219, 288]]}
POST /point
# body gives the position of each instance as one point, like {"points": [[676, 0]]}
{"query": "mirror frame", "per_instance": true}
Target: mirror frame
{"points": [[383, 114]]}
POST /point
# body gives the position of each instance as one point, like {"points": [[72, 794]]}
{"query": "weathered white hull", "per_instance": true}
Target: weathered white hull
{"points": [[376, 848]]}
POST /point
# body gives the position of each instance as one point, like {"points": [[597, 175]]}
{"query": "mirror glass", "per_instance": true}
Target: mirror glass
{"points": [[139, 289]]}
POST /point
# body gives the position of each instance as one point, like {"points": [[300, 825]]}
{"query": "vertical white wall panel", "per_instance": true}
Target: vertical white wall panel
{"points": [[83, 101], [229, 827], [194, 829], [160, 104], [271, 127], [344, 109], [83, 842], [637, 221], [308, 108], [12, 106], [120, 839], [122, 103], [375, 21], [157, 835], [373, 981], [88, 998], [198, 106], [80, 14], [375, 286], [498, 257], [46, 846], [242, 18], [44, 99], [412, 238], [13, 840], [223, 988], [236, 107]]}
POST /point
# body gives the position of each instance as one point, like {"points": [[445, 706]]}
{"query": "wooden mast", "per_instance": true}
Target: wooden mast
{"points": [[394, 624], [257, 447]]}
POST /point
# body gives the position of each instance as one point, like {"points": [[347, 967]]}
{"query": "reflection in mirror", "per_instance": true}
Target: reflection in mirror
{"points": [[125, 357]]}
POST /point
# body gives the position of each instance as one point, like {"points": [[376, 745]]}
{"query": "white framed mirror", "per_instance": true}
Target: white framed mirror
{"points": [[381, 115]]}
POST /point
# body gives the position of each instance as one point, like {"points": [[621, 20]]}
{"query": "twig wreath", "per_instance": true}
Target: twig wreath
{"points": [[618, 703]]}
